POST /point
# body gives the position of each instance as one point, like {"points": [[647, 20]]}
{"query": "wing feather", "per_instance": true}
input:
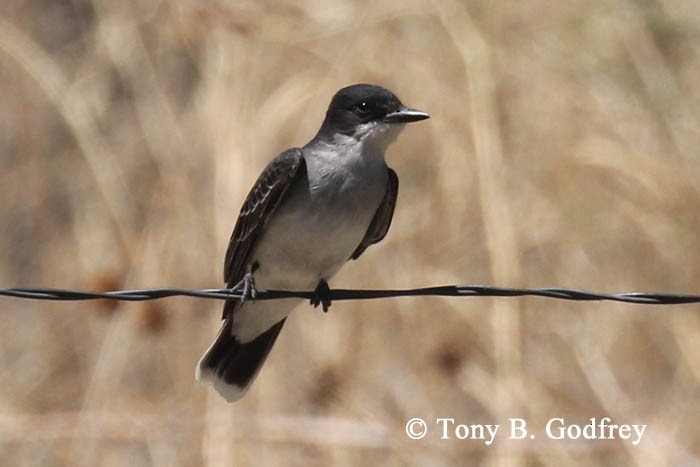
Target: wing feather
{"points": [[382, 218], [260, 204]]}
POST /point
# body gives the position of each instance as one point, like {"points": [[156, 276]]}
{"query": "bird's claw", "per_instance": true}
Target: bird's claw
{"points": [[322, 296], [246, 287]]}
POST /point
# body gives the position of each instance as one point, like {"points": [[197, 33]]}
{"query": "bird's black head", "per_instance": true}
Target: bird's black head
{"points": [[363, 107]]}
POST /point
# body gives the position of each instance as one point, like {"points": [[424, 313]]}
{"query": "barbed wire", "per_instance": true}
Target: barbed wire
{"points": [[642, 298]]}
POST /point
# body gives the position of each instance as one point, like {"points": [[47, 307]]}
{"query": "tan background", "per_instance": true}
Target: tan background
{"points": [[562, 151]]}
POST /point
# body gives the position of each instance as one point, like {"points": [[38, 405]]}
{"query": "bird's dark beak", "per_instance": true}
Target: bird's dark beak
{"points": [[405, 115]]}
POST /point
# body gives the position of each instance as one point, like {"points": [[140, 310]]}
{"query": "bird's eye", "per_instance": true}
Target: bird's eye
{"points": [[362, 108]]}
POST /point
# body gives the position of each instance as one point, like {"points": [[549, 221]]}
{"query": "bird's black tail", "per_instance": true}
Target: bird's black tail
{"points": [[231, 366]]}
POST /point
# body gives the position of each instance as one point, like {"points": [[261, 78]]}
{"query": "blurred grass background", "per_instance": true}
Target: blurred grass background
{"points": [[562, 151]]}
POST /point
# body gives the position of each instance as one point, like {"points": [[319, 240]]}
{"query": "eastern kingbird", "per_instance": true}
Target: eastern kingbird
{"points": [[311, 210]]}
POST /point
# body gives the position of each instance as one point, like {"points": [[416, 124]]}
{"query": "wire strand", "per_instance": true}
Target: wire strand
{"points": [[642, 298]]}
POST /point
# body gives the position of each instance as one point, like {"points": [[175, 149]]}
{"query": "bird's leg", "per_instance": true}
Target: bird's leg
{"points": [[246, 287], [322, 296]]}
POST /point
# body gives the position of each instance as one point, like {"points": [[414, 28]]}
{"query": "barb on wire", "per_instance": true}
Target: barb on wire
{"points": [[642, 298]]}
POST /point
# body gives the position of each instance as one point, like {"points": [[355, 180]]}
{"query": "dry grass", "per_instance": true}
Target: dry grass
{"points": [[563, 150]]}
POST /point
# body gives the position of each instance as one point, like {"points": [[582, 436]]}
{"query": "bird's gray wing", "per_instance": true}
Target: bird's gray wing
{"points": [[260, 204], [382, 218]]}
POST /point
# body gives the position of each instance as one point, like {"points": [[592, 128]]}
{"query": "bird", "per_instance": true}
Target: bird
{"points": [[311, 210]]}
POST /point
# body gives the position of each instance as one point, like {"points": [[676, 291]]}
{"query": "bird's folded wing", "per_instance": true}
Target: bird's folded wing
{"points": [[382, 218], [260, 204]]}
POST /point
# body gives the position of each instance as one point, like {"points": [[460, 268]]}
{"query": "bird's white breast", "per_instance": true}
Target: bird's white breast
{"points": [[322, 221]]}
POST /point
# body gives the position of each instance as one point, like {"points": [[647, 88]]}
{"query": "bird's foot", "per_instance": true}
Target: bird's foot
{"points": [[246, 287], [322, 296]]}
